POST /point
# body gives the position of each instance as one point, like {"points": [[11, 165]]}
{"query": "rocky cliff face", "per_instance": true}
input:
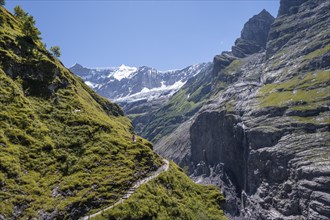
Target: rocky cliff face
{"points": [[265, 135], [288, 7], [254, 35]]}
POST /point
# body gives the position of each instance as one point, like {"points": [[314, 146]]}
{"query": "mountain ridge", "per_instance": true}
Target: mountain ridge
{"points": [[107, 80], [143, 92]]}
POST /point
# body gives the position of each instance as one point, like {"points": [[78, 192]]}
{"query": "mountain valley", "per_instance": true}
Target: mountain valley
{"points": [[139, 91], [257, 122], [246, 136]]}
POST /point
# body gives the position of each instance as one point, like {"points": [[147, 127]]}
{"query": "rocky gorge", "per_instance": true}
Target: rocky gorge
{"points": [[263, 131]]}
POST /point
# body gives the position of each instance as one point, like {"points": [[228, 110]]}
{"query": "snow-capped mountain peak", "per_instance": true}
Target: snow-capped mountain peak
{"points": [[123, 72], [142, 83]]}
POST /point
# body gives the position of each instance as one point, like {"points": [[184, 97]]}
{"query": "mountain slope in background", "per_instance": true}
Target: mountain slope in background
{"points": [[180, 107], [131, 84], [65, 151], [263, 134], [139, 91]]}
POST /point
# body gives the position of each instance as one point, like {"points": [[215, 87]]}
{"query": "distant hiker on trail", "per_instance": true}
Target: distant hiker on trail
{"points": [[133, 138]]}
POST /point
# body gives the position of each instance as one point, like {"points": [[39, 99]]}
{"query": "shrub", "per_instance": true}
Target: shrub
{"points": [[20, 13], [56, 51]]}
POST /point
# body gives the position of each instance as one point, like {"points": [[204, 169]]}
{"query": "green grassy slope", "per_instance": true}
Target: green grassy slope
{"points": [[308, 91], [64, 151], [170, 196]]}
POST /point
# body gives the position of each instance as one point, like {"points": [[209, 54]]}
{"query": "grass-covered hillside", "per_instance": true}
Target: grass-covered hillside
{"points": [[64, 151], [171, 196]]}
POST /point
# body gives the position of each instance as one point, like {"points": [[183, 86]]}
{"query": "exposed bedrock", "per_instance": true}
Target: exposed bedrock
{"points": [[264, 133], [217, 138], [275, 173]]}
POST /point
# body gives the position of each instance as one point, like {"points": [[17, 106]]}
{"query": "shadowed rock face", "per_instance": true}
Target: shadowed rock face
{"points": [[254, 35], [253, 39], [289, 7], [222, 61], [220, 130], [265, 137]]}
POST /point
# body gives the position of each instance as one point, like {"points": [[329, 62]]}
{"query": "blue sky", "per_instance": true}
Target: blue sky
{"points": [[160, 34]]}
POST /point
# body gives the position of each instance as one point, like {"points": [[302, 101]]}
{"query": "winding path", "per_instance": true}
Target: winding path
{"points": [[161, 169]]}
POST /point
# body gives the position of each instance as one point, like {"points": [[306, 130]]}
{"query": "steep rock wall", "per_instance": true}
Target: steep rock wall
{"points": [[264, 136], [217, 137]]}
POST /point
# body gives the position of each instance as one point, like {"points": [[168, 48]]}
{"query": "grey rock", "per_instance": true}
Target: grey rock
{"points": [[271, 159], [289, 7], [222, 61], [254, 35]]}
